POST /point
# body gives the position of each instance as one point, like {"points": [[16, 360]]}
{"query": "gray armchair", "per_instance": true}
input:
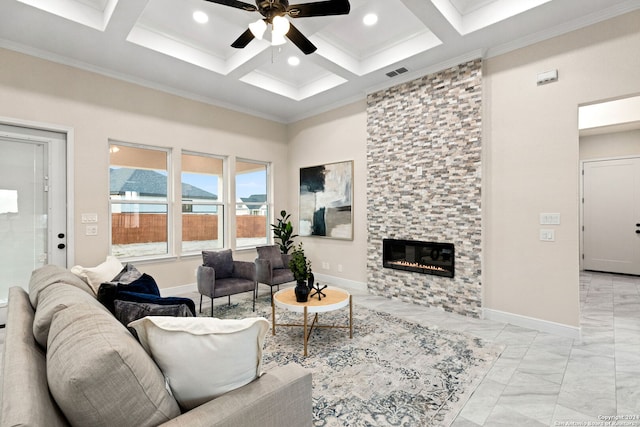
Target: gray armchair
{"points": [[221, 276], [272, 267]]}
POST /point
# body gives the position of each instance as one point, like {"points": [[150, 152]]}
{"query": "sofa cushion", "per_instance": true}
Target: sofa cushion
{"points": [[127, 311], [99, 375], [104, 272], [220, 261], [201, 357], [53, 299], [273, 254], [25, 397], [48, 275]]}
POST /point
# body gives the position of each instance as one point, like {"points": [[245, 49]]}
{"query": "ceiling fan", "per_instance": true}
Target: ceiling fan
{"points": [[274, 12]]}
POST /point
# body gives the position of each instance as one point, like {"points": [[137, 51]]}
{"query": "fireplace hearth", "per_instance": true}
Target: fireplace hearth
{"points": [[419, 257]]}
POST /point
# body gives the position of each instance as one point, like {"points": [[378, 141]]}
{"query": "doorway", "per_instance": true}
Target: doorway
{"points": [[33, 201], [609, 147]]}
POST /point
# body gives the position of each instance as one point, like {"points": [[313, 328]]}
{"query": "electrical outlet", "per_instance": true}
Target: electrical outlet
{"points": [[547, 235]]}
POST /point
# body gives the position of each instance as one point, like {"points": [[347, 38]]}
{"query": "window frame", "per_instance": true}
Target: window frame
{"points": [[222, 200], [268, 203], [168, 202]]}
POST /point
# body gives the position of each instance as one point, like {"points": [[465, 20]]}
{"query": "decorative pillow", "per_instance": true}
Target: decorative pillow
{"points": [[99, 375], [108, 292], [203, 358], [127, 311], [272, 253], [220, 261], [99, 274], [127, 275]]}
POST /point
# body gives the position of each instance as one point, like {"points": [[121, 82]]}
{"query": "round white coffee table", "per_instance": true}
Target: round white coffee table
{"points": [[334, 299]]}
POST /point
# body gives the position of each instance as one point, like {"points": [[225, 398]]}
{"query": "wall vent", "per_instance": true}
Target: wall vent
{"points": [[394, 73]]}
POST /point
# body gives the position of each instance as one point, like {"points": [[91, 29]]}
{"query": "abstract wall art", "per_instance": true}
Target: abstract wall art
{"points": [[326, 194]]}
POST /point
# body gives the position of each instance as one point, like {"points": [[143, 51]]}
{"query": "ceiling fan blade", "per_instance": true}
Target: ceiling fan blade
{"points": [[300, 40], [237, 4], [244, 39], [319, 8]]}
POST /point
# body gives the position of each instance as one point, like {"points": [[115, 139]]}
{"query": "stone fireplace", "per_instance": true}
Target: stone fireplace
{"points": [[424, 184]]}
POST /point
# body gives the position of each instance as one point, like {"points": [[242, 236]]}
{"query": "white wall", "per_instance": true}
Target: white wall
{"points": [[616, 144], [532, 162], [99, 108], [335, 136]]}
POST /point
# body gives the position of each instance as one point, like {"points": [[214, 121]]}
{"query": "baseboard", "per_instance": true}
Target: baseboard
{"points": [[179, 290], [532, 323], [340, 282], [3, 312]]}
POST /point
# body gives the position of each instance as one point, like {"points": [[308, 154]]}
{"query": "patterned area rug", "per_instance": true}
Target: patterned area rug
{"points": [[392, 373]]}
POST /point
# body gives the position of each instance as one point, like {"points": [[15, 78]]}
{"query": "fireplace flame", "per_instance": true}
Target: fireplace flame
{"points": [[418, 265]]}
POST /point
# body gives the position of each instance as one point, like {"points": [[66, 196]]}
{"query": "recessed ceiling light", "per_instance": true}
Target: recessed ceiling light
{"points": [[370, 19], [294, 61], [200, 17]]}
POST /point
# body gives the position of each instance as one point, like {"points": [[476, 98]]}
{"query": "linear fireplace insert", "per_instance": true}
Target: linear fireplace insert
{"points": [[420, 257]]}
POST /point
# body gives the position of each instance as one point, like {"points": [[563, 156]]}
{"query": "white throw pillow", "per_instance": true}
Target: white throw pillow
{"points": [[203, 358], [104, 272]]}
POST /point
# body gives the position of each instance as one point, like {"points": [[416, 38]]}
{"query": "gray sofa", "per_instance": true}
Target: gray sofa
{"points": [[70, 362]]}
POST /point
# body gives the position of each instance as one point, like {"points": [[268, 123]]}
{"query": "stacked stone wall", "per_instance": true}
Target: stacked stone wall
{"points": [[424, 183]]}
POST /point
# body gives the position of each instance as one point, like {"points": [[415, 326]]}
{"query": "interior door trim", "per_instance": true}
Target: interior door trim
{"points": [[70, 144]]}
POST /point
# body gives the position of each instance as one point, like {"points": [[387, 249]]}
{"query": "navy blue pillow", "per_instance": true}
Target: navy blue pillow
{"points": [[145, 284], [108, 292]]}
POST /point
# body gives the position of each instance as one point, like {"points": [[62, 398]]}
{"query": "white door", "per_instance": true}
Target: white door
{"points": [[32, 203], [611, 210]]}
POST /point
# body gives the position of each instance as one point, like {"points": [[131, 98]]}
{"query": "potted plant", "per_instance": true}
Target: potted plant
{"points": [[300, 266], [283, 231]]}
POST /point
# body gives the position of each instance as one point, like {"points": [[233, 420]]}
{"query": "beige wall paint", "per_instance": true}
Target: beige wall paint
{"points": [[327, 138], [617, 144], [531, 143], [99, 108]]}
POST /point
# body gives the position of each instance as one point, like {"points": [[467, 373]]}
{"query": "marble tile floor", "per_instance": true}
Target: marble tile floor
{"points": [[546, 380]]}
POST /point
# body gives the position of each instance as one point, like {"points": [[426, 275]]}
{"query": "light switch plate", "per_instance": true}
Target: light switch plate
{"points": [[89, 217], [91, 230], [550, 219]]}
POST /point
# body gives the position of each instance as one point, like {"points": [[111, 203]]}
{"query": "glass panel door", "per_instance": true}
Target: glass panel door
{"points": [[23, 211]]}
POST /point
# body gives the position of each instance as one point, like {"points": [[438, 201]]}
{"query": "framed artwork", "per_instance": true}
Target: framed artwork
{"points": [[326, 194]]}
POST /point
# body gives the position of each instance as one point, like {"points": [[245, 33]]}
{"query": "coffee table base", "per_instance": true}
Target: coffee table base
{"points": [[307, 329]]}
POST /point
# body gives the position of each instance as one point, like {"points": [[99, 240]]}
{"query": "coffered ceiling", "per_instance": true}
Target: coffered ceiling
{"points": [[158, 44]]}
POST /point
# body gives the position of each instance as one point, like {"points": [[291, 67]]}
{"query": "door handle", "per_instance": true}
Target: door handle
{"points": [[637, 231], [61, 246], [61, 235]]}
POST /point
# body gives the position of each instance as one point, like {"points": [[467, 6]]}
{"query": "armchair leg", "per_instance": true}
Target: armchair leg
{"points": [[200, 303], [255, 292], [229, 303], [211, 307]]}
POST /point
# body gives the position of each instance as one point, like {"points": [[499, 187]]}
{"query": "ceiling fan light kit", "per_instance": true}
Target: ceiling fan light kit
{"points": [[274, 12]]}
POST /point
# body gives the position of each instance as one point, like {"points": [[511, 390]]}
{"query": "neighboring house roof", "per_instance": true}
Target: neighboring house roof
{"points": [[255, 198], [150, 183]]}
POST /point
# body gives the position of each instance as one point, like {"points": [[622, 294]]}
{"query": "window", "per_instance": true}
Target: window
{"points": [[203, 198], [138, 190], [252, 203]]}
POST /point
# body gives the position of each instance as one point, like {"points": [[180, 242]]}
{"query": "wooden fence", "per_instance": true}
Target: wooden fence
{"points": [[127, 228]]}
